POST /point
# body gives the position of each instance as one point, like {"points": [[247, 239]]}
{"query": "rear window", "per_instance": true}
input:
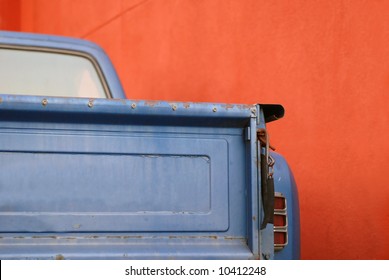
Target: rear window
{"points": [[47, 73]]}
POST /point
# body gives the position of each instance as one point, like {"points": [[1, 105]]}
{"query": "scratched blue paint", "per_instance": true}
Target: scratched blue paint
{"points": [[131, 179], [284, 182], [117, 173]]}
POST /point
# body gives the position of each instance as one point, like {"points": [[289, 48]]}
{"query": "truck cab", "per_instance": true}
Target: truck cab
{"points": [[88, 174]]}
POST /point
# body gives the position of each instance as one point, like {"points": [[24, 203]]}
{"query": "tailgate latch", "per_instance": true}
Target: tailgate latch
{"points": [[267, 180]]}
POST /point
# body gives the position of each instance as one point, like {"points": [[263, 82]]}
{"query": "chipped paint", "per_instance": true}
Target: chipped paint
{"points": [[59, 257], [244, 106], [124, 237], [44, 237], [152, 103], [92, 237], [243, 239], [229, 106], [192, 237]]}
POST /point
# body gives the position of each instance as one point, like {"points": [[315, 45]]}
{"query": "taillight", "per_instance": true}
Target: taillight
{"points": [[279, 202], [280, 222]]}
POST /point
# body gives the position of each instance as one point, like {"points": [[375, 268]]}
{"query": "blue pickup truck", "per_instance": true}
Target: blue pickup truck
{"points": [[88, 174]]}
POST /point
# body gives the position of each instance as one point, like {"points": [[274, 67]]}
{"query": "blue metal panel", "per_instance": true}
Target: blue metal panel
{"points": [[284, 182], [106, 179], [94, 183], [266, 235], [254, 181], [123, 247], [130, 112]]}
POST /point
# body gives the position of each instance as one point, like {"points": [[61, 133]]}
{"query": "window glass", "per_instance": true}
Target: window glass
{"points": [[30, 72]]}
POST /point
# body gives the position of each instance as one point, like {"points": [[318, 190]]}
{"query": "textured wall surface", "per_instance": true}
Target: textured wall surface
{"points": [[327, 62]]}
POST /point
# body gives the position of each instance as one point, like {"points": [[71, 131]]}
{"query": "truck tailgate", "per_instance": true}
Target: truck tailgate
{"points": [[104, 179]]}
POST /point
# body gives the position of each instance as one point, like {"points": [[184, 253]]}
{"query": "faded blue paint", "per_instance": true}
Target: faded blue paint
{"points": [[162, 182], [284, 182], [144, 181], [267, 234], [132, 179]]}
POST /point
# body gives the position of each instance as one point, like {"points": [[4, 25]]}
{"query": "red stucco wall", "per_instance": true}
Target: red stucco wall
{"points": [[327, 62]]}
